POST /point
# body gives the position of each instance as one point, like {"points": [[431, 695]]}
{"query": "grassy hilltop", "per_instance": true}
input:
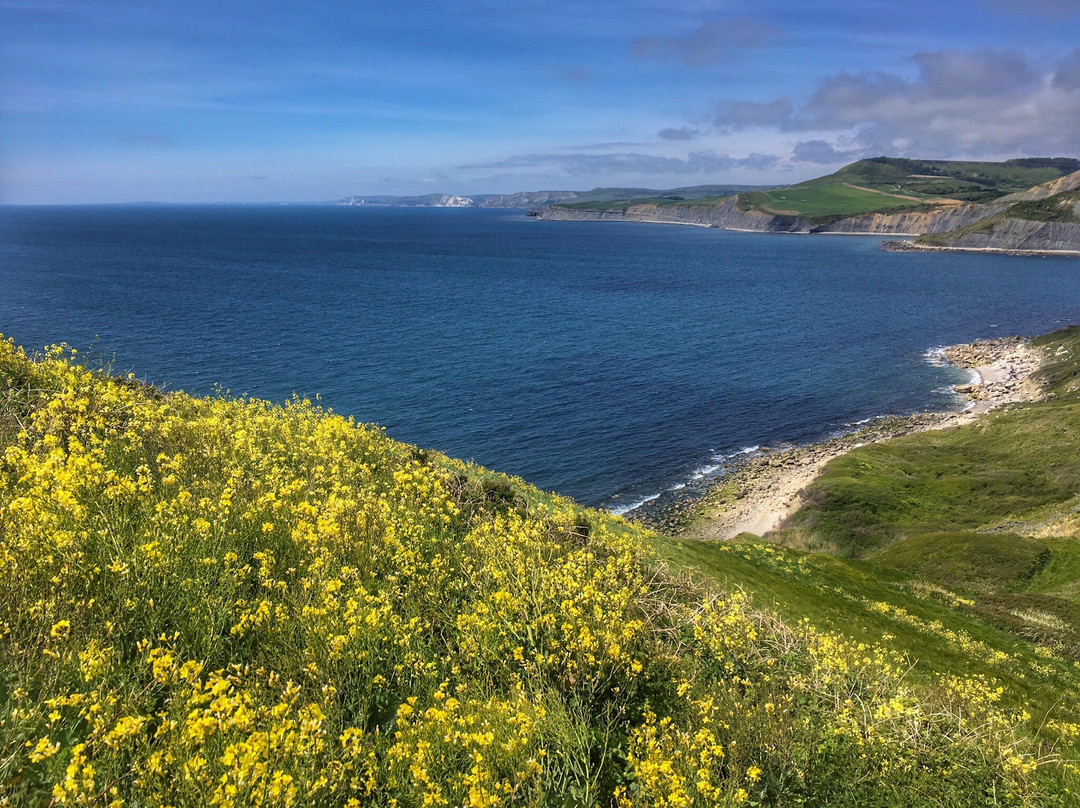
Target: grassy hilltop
{"points": [[225, 602], [949, 197], [892, 184]]}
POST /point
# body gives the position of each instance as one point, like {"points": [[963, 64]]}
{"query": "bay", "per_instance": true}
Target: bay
{"points": [[607, 361]]}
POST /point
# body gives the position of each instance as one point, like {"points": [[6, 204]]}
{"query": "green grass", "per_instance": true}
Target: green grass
{"points": [[979, 476], [829, 198], [930, 625], [820, 202], [227, 602], [969, 561], [958, 549]]}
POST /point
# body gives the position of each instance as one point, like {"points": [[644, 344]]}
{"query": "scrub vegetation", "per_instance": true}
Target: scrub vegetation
{"points": [[211, 601]]}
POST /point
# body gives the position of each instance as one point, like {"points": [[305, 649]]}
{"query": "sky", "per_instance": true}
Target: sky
{"points": [[280, 101]]}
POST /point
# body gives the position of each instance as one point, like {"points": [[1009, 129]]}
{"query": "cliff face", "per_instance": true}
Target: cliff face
{"points": [[1019, 234], [726, 215], [964, 225], [1070, 182], [912, 223]]}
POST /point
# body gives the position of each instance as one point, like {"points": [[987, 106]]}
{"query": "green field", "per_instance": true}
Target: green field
{"points": [[889, 184], [878, 185], [819, 202]]}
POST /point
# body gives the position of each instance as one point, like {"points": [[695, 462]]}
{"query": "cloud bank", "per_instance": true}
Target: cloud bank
{"points": [[629, 163], [972, 103]]}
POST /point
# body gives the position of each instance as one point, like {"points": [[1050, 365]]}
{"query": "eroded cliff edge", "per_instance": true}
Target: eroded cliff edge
{"points": [[1042, 219]]}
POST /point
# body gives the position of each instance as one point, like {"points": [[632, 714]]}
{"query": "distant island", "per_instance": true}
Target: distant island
{"points": [[1027, 205]]}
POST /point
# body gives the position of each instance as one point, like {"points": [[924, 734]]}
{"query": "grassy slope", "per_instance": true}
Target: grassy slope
{"points": [[208, 601], [974, 533], [882, 184], [868, 186]]}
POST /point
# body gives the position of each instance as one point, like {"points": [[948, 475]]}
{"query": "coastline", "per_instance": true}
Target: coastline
{"points": [[765, 491], [911, 246]]}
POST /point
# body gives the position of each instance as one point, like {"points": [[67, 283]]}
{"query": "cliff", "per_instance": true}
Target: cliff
{"points": [[939, 220], [1011, 235], [725, 214], [730, 216], [1042, 218]]}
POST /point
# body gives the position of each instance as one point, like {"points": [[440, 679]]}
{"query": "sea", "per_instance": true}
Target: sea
{"points": [[611, 362]]}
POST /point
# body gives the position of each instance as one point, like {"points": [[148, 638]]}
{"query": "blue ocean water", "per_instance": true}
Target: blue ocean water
{"points": [[606, 361]]}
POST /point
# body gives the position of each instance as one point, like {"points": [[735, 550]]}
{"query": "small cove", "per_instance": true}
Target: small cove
{"points": [[608, 361]]}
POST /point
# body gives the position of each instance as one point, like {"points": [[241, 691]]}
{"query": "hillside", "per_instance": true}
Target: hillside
{"points": [[532, 199], [969, 201], [226, 602], [887, 184], [988, 511], [961, 545], [1044, 219]]}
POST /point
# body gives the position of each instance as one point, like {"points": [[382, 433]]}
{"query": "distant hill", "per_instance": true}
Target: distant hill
{"points": [[883, 184], [534, 199], [425, 201], [1022, 204]]}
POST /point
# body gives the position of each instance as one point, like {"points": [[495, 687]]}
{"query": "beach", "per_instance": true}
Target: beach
{"points": [[913, 246], [765, 491]]}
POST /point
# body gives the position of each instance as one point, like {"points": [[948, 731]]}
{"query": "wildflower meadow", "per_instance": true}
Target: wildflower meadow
{"points": [[224, 602]]}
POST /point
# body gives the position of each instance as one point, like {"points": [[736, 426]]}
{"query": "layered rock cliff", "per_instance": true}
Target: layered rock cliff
{"points": [[941, 219], [1016, 235], [1005, 224], [725, 214], [729, 216]]}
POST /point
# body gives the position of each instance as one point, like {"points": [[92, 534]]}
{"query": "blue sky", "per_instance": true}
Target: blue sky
{"points": [[228, 101]]}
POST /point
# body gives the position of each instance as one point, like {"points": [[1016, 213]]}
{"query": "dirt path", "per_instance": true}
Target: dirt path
{"points": [[921, 200]]}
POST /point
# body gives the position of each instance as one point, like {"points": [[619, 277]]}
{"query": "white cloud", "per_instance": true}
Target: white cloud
{"points": [[961, 103]]}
